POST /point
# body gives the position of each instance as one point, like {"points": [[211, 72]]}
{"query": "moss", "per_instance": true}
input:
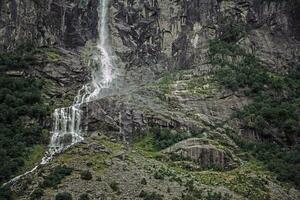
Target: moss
{"points": [[51, 53]]}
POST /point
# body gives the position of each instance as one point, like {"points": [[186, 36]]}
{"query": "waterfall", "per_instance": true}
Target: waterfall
{"points": [[66, 129], [66, 121]]}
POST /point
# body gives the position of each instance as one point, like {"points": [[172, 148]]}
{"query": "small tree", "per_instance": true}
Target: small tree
{"points": [[86, 175], [84, 196], [63, 196]]}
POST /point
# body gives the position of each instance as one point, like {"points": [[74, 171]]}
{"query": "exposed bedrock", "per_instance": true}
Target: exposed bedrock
{"points": [[203, 153], [67, 23]]}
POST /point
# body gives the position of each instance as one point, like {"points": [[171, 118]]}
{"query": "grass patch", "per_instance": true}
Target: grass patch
{"points": [[36, 154]]}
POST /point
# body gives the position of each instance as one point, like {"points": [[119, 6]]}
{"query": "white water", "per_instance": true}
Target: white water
{"points": [[66, 126]]}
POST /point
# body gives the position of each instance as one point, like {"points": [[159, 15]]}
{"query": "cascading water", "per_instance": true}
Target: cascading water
{"points": [[66, 126], [66, 129]]}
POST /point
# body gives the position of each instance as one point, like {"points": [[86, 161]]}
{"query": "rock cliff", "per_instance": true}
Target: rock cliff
{"points": [[166, 82]]}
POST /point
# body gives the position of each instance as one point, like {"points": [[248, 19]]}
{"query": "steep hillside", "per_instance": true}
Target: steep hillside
{"points": [[206, 102]]}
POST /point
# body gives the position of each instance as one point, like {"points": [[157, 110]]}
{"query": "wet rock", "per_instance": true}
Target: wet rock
{"points": [[66, 139]]}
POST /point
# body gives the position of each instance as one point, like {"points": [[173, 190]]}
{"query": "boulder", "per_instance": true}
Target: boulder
{"points": [[202, 152]]}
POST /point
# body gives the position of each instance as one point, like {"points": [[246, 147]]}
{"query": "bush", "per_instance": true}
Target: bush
{"points": [[275, 107], [84, 196], [144, 181], [159, 175], [86, 175], [37, 194], [150, 196], [283, 161], [164, 137], [55, 178], [63, 196], [6, 194], [20, 98], [114, 186]]}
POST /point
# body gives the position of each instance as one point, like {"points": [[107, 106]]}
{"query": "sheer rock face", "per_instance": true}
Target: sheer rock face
{"points": [[150, 32], [51, 22]]}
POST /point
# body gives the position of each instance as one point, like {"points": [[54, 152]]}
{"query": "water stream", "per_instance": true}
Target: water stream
{"points": [[66, 121]]}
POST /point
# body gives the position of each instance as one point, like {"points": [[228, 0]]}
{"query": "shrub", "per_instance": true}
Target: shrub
{"points": [[144, 181], [86, 175], [37, 194], [164, 137], [55, 178], [114, 186], [274, 109], [158, 175], [6, 194], [63, 196], [84, 196], [19, 99], [150, 196]]}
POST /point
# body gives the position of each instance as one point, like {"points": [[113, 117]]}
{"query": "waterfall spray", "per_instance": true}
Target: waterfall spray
{"points": [[66, 121]]}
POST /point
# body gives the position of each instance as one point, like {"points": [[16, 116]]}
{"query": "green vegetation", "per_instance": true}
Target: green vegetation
{"points": [[21, 134], [63, 196], [156, 139], [86, 175], [26, 56], [6, 194], [150, 196], [84, 196], [144, 181], [197, 194], [274, 112], [115, 186], [37, 194], [285, 162], [164, 137], [56, 176]]}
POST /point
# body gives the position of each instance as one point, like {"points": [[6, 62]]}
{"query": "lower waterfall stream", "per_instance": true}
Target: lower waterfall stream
{"points": [[66, 121]]}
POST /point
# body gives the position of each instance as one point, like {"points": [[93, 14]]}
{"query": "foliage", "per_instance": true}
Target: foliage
{"points": [[84, 196], [86, 175], [6, 194], [276, 97], [144, 181], [164, 137], [37, 194], [63, 196], [26, 56], [159, 175], [114, 186], [150, 196], [193, 193], [56, 176], [21, 115], [274, 112], [285, 162]]}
